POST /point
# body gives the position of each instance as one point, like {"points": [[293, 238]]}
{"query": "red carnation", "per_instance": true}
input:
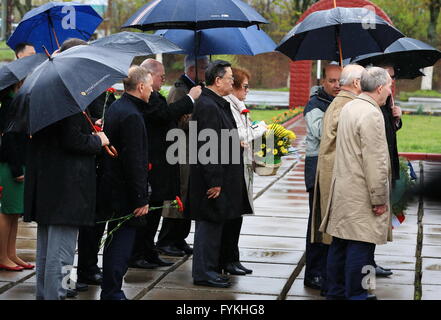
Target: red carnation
{"points": [[149, 167], [245, 111], [97, 128], [111, 90], [180, 204]]}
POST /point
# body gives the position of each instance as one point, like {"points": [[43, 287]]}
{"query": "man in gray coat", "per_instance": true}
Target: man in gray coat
{"points": [[358, 213]]}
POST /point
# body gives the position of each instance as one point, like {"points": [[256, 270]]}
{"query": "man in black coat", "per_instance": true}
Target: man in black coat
{"points": [[217, 189], [60, 195], [124, 180], [159, 117]]}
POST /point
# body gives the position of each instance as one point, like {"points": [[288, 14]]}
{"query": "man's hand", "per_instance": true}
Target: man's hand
{"points": [[103, 137], [195, 92], [396, 112], [379, 210], [244, 144], [19, 179], [141, 211], [214, 192], [99, 122]]}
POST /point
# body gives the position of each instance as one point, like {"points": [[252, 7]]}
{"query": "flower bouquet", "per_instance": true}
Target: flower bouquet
{"points": [[177, 203], [275, 143]]}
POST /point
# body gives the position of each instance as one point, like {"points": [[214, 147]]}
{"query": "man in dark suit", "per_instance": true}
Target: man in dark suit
{"points": [[124, 182], [175, 228], [159, 117], [217, 189]]}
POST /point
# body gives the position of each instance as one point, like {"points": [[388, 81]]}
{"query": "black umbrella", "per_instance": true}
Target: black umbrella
{"points": [[19, 69], [406, 55], [338, 33], [194, 15], [137, 42], [66, 84]]}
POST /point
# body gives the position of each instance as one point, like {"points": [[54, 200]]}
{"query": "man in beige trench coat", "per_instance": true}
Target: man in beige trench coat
{"points": [[357, 215]]}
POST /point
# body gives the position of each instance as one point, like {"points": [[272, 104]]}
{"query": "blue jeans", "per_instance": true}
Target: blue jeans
{"points": [[346, 259]]}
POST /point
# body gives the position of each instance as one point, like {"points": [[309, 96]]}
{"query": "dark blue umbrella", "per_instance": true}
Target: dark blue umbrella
{"points": [[19, 69], [54, 22], [338, 33], [66, 84], [137, 42], [193, 15], [406, 55], [247, 41]]}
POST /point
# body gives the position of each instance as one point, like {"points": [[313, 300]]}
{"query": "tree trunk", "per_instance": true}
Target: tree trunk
{"points": [[434, 10]]}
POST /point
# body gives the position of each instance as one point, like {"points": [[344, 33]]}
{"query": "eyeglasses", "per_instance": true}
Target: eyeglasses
{"points": [[245, 86]]}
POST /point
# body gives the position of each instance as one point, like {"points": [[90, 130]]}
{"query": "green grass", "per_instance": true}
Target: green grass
{"points": [[265, 115], [420, 134], [404, 96], [6, 54]]}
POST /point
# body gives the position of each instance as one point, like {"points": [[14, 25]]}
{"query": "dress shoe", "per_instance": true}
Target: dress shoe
{"points": [[380, 272], [371, 297], [93, 279], [217, 283], [186, 248], [80, 287], [240, 266], [385, 269], [233, 269], [171, 251], [160, 262], [313, 283], [71, 293], [6, 268], [27, 266], [143, 264]]}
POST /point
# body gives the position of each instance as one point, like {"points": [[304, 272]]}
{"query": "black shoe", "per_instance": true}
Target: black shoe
{"points": [[95, 279], [380, 272], [231, 268], [240, 266], [71, 293], [160, 262], [171, 251], [313, 283], [371, 297], [217, 283], [142, 264], [385, 269], [80, 287], [186, 248]]}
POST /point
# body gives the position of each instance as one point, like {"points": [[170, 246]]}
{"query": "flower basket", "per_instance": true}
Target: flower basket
{"points": [[264, 168]]}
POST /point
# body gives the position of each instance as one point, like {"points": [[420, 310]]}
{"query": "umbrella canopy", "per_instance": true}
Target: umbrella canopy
{"points": [[406, 55], [19, 69], [66, 84], [194, 15], [54, 22], [323, 33], [247, 41], [137, 42]]}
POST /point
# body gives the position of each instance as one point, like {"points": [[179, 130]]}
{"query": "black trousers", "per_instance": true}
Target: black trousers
{"points": [[89, 240], [116, 257], [316, 254], [230, 242], [174, 232], [144, 247]]}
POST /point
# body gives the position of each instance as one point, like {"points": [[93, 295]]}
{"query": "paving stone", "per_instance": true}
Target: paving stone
{"points": [[183, 294], [394, 249], [270, 256], [431, 264], [431, 218], [298, 289], [240, 284], [432, 239], [430, 292], [431, 277], [273, 226], [404, 238], [401, 277], [304, 298], [265, 242], [394, 292], [11, 276], [431, 252], [23, 291], [396, 262], [432, 229]]}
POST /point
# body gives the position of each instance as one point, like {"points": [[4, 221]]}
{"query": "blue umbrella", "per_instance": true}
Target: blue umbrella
{"points": [[247, 41], [54, 22], [193, 15]]}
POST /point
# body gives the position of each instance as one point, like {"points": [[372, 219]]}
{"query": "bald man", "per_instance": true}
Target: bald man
{"points": [[315, 109]]}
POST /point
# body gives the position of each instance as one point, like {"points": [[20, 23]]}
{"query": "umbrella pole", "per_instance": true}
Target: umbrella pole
{"points": [[111, 151], [196, 49], [56, 38]]}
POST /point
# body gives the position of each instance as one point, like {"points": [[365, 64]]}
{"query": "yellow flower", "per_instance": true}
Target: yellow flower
{"points": [[280, 143], [283, 150], [259, 154], [268, 150], [262, 146], [275, 152]]}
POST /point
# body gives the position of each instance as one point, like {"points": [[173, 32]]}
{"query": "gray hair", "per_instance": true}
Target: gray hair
{"points": [[190, 61], [137, 75], [373, 77], [151, 65], [350, 73]]}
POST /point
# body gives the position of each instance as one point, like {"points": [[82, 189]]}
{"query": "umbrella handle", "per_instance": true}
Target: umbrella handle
{"points": [[111, 151]]}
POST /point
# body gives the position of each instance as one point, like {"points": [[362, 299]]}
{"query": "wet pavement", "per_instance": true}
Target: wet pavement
{"points": [[272, 244]]}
